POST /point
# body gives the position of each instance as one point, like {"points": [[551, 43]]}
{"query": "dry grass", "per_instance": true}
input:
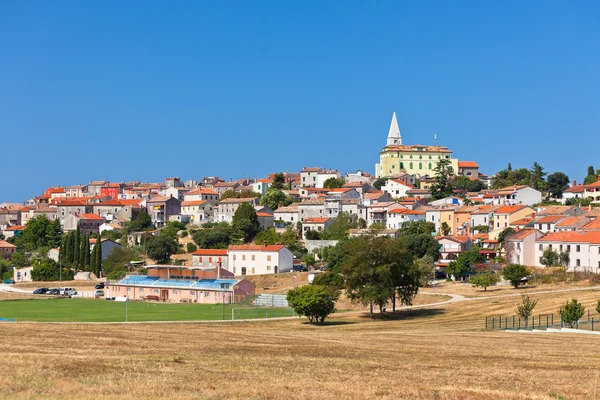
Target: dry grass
{"points": [[467, 290], [78, 285], [436, 353]]}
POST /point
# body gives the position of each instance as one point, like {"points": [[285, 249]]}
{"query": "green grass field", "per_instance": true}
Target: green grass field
{"points": [[99, 310]]}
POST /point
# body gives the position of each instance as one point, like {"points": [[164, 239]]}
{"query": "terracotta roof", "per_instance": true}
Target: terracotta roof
{"points": [[210, 252], [575, 189], [550, 219], [509, 209], [316, 220], [592, 226], [467, 164], [592, 237], [522, 234], [340, 190], [291, 208], [120, 203], [193, 203], [406, 211], [555, 210], [263, 214], [5, 245], [16, 228], [226, 184], [311, 169], [312, 202], [569, 221], [523, 221], [462, 239], [91, 217], [256, 247], [434, 149]]}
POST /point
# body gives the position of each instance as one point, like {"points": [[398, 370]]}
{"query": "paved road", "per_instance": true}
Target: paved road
{"points": [[10, 289]]}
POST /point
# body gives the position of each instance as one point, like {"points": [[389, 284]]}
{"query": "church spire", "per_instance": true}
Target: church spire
{"points": [[394, 136]]}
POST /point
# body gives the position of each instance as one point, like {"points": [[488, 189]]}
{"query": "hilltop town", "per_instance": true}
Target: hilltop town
{"points": [[520, 216]]}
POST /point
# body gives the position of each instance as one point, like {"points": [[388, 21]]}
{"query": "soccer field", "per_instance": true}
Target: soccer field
{"points": [[99, 310]]}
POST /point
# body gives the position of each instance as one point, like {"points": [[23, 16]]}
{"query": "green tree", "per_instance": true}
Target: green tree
{"points": [[76, 248], [19, 260], [142, 222], [340, 226], [312, 235], [379, 183], [244, 194], [40, 232], [421, 245], [46, 269], [191, 247], [314, 302], [274, 198], [69, 250], [557, 183], [466, 184], [417, 228], [426, 267], [160, 247], [278, 181], [484, 280], [481, 229], [591, 176], [98, 267], [217, 237], [86, 251], [537, 176], [445, 228], [442, 187], [514, 273], [333, 183], [270, 237], [115, 265], [331, 280], [525, 309], [571, 312], [504, 234], [82, 249], [550, 258], [464, 263], [245, 222]]}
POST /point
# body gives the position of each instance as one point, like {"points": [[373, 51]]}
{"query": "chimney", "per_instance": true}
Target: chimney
{"points": [[264, 243], [574, 182]]}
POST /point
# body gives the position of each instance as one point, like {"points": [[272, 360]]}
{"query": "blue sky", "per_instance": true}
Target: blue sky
{"points": [[145, 90]]}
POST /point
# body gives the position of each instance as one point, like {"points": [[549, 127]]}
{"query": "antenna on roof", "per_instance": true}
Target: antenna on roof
{"points": [[434, 139]]}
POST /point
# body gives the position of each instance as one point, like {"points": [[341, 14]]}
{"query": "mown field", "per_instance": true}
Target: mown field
{"points": [[439, 352]]}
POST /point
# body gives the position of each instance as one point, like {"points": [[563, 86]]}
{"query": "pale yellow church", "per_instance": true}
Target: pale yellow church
{"points": [[419, 160]]}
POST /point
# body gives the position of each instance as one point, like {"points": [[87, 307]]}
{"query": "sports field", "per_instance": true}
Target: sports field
{"points": [[99, 310]]}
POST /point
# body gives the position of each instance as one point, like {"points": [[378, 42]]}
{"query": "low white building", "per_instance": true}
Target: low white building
{"points": [[396, 188], [22, 274], [259, 259], [315, 224], [210, 258], [287, 214], [583, 248], [518, 194], [226, 208], [198, 211], [261, 186]]}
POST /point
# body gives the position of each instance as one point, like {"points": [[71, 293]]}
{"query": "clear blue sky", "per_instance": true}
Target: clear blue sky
{"points": [[144, 90]]}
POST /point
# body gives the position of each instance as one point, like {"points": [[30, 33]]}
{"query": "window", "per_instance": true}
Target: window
{"points": [[206, 294], [268, 267], [252, 269], [578, 262], [568, 248], [401, 165], [192, 293], [548, 226], [578, 248], [243, 257], [268, 258], [429, 164], [141, 290], [156, 291], [420, 165], [253, 257], [234, 257], [210, 259], [174, 291]]}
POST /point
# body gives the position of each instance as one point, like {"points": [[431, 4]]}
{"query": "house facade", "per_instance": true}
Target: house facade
{"points": [[259, 259]]}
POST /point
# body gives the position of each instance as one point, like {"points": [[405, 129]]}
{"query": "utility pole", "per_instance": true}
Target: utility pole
{"points": [[127, 307]]}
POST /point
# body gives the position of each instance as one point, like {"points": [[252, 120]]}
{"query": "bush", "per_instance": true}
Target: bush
{"points": [[484, 280], [514, 273], [571, 312], [526, 307], [191, 247], [312, 301], [184, 234]]}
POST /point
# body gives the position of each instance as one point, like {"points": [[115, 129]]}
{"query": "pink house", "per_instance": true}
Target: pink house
{"points": [[175, 284]]}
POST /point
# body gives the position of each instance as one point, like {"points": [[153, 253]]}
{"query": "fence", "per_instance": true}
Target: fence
{"points": [[8, 320], [541, 321], [260, 313], [271, 300]]}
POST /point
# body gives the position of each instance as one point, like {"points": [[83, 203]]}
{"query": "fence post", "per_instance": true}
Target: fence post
{"points": [[493, 323], [533, 322], [552, 319], [513, 326], [500, 322], [592, 324], [546, 321], [505, 322], [486, 323], [588, 315], [519, 323]]}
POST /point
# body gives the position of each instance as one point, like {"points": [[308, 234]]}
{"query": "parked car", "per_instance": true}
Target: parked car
{"points": [[299, 268], [99, 286], [69, 292], [55, 291], [99, 293], [42, 290], [9, 281], [440, 275]]}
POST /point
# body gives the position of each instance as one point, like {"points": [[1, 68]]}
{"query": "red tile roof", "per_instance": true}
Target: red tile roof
{"points": [[467, 164], [210, 252], [16, 228], [256, 247], [193, 203], [263, 214], [91, 217], [5, 245], [592, 237], [509, 209], [569, 221], [316, 220], [550, 219]]}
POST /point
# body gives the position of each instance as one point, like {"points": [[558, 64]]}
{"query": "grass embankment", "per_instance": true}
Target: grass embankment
{"points": [[99, 310], [441, 352]]}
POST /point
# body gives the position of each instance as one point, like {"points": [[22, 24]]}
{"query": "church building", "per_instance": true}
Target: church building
{"points": [[416, 159]]}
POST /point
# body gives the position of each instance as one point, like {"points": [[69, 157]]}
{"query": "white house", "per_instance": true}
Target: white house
{"points": [[287, 214], [517, 194], [198, 211], [583, 248], [261, 185], [315, 224], [210, 258], [519, 248], [202, 193], [396, 188], [574, 192], [315, 177], [399, 216], [252, 259], [226, 208]]}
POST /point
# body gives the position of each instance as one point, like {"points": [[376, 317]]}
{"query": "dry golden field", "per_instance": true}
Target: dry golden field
{"points": [[437, 352]]}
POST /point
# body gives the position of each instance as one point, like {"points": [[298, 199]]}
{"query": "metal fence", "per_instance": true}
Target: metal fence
{"points": [[590, 321]]}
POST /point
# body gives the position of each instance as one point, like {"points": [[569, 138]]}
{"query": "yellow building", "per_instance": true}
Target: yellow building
{"points": [[413, 159]]}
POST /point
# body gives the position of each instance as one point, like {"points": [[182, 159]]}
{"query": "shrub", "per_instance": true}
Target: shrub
{"points": [[514, 273], [526, 307], [314, 302], [571, 312], [191, 247], [184, 234], [484, 280]]}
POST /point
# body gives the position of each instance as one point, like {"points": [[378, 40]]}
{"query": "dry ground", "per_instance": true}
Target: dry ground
{"points": [[441, 352], [78, 285], [467, 290]]}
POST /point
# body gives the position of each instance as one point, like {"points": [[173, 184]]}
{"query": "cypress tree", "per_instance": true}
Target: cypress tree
{"points": [[98, 258], [86, 250], [69, 250], [63, 248], [76, 248]]}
